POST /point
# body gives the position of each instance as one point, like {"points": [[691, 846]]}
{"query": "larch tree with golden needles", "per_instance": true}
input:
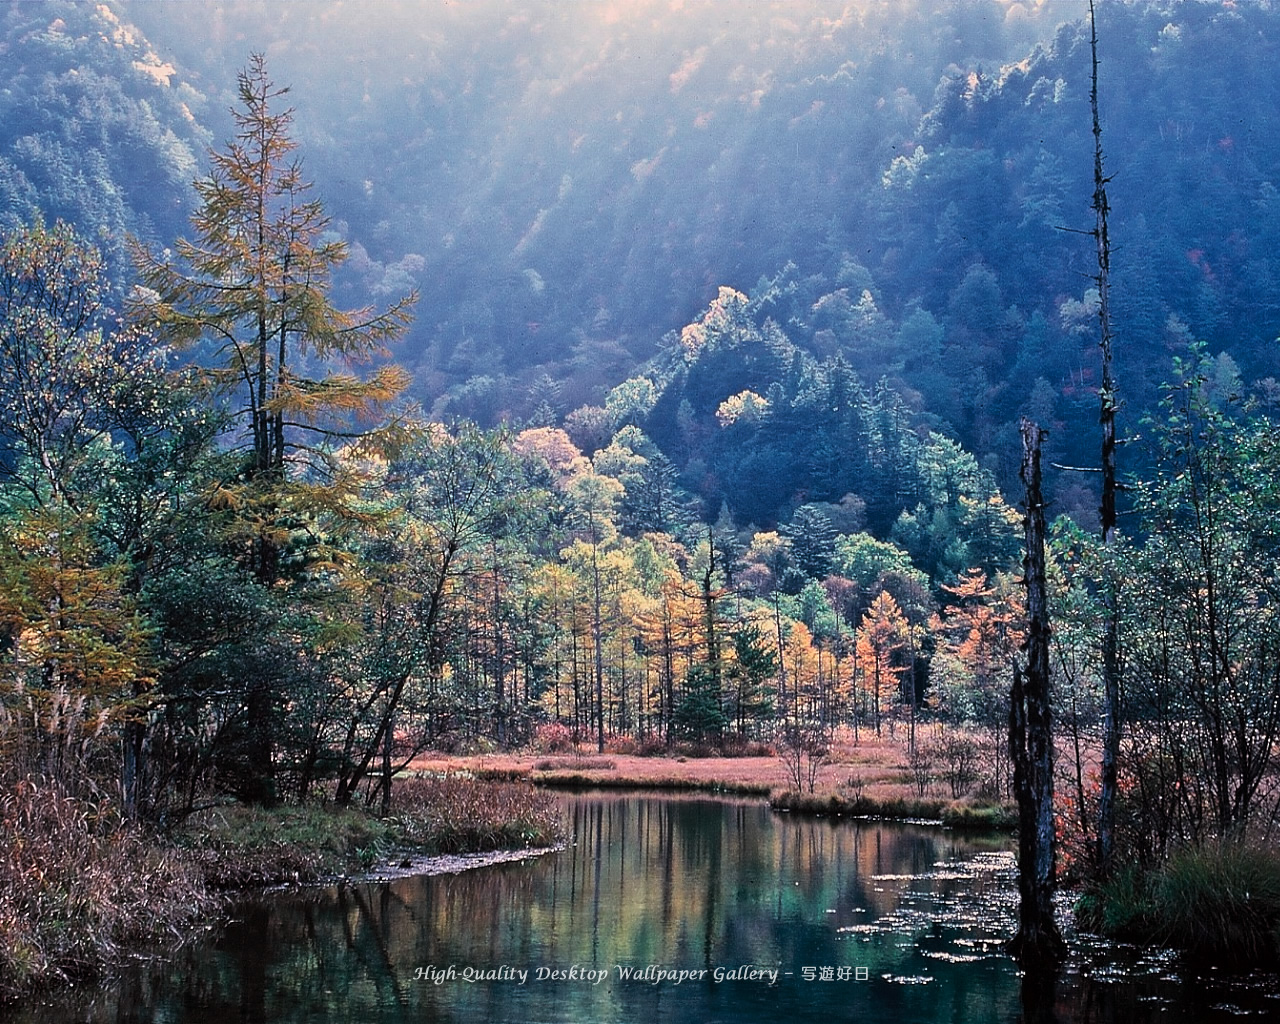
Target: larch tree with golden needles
{"points": [[882, 643], [251, 287], [981, 628], [254, 284]]}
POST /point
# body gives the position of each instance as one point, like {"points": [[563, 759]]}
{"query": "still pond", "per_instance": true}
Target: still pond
{"points": [[664, 909]]}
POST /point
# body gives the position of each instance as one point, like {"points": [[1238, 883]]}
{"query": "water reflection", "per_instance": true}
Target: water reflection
{"points": [[898, 923]]}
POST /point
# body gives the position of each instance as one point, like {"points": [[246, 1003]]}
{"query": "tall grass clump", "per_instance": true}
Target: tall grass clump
{"points": [[457, 814], [78, 886], [241, 847], [1219, 902]]}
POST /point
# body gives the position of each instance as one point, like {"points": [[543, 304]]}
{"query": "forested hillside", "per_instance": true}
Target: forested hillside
{"points": [[897, 186], [98, 128]]}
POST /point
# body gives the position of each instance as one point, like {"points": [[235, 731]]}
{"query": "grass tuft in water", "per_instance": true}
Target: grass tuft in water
{"points": [[247, 846], [895, 807], [456, 814], [1220, 902]]}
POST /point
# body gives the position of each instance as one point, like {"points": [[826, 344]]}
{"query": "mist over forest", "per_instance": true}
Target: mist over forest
{"points": [[896, 187]]}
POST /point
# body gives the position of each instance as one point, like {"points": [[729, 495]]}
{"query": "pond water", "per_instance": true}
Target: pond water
{"points": [[770, 916]]}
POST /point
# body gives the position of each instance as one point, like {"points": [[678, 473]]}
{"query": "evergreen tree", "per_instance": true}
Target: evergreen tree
{"points": [[253, 286], [813, 541]]}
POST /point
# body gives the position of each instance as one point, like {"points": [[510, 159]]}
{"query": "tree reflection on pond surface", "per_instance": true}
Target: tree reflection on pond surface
{"points": [[662, 909]]}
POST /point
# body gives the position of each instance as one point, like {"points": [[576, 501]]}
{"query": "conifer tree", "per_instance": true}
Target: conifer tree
{"points": [[251, 288], [882, 639], [253, 284]]}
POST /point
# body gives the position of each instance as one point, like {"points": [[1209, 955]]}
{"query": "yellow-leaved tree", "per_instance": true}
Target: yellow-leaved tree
{"points": [[883, 648], [250, 292]]}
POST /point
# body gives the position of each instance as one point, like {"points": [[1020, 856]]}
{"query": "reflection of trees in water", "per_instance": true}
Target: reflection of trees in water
{"points": [[679, 882], [646, 881]]}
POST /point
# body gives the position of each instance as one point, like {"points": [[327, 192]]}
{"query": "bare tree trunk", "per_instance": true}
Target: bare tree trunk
{"points": [[1038, 942], [709, 613], [388, 739], [1107, 396], [597, 640]]}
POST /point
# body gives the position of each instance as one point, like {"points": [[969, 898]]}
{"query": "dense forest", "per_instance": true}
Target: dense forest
{"points": [[898, 185], [635, 376]]}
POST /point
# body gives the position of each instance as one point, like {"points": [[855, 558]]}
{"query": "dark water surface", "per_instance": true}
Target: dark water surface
{"points": [[861, 921]]}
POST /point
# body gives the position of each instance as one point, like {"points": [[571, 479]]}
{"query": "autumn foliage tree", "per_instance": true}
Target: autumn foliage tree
{"points": [[252, 286], [978, 632], [249, 293], [73, 650], [883, 640]]}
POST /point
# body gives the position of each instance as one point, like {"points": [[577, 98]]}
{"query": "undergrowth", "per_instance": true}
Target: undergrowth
{"points": [[1219, 902], [78, 886], [237, 846], [247, 846], [562, 779], [952, 813], [578, 763]]}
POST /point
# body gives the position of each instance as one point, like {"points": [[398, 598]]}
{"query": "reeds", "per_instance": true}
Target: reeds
{"points": [[579, 763], [1219, 902], [78, 885], [857, 803], [456, 814]]}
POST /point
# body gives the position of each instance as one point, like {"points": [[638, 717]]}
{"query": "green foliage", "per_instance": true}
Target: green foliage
{"points": [[1201, 630], [863, 559], [1219, 902], [82, 401], [243, 579], [70, 376], [755, 663], [910, 219], [700, 715], [254, 286], [813, 541]]}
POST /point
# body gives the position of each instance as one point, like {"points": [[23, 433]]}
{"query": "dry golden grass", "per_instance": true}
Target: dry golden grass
{"points": [[78, 886], [876, 765], [449, 814], [869, 778]]}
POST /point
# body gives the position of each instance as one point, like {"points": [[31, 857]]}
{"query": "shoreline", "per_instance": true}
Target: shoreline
{"points": [[429, 865], [452, 814], [868, 782]]}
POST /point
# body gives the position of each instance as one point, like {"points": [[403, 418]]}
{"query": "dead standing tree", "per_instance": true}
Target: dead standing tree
{"points": [[1109, 583], [1108, 401], [1038, 942]]}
